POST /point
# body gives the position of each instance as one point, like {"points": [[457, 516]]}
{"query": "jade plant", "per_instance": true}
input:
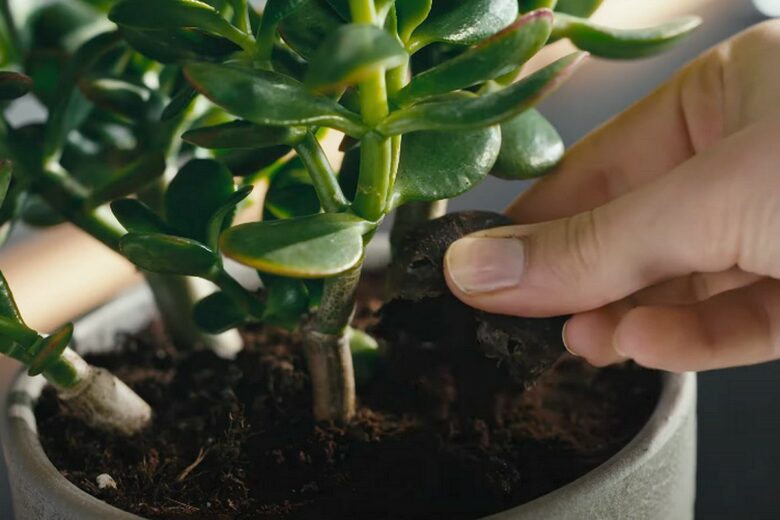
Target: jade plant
{"points": [[179, 115]]}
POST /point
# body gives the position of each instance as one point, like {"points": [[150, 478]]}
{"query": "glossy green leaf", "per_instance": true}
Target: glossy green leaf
{"points": [[244, 135], [217, 313], [169, 254], [583, 8], [442, 165], [465, 22], [306, 28], [286, 300], [316, 246], [223, 217], [348, 55], [179, 45], [180, 103], [277, 10], [116, 95], [622, 43], [249, 162], [291, 193], [365, 355], [485, 110], [129, 180], [14, 85], [530, 147], [37, 212], [269, 98], [410, 14], [198, 191], [8, 307], [493, 57], [530, 5], [47, 351], [6, 172], [137, 217], [173, 14]]}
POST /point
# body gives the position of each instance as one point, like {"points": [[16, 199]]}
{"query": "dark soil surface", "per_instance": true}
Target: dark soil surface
{"points": [[432, 439]]}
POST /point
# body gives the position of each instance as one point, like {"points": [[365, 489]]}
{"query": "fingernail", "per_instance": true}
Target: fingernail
{"points": [[565, 341], [485, 264]]}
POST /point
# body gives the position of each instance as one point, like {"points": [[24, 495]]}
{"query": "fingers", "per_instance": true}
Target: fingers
{"points": [[734, 328], [722, 92], [712, 213], [590, 334]]}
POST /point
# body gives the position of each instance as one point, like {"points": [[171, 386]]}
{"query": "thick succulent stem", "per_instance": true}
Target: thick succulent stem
{"points": [[94, 395], [328, 355], [98, 397], [175, 297]]}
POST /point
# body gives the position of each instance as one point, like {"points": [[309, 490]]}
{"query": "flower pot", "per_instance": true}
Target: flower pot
{"points": [[650, 478]]}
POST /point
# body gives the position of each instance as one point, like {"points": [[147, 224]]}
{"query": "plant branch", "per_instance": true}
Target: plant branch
{"points": [[14, 41], [328, 355], [323, 177]]}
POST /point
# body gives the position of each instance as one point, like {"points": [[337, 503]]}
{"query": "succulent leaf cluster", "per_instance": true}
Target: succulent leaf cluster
{"points": [[177, 113]]}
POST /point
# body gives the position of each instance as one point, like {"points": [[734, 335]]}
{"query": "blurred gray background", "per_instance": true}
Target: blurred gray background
{"points": [[739, 413]]}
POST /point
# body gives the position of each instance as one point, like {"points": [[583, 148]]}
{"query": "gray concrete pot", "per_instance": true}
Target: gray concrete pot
{"points": [[650, 478]]}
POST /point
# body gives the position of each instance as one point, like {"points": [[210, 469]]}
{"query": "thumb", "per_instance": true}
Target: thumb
{"points": [[689, 220]]}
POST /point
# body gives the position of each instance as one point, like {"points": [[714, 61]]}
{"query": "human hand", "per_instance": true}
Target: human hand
{"points": [[658, 231]]}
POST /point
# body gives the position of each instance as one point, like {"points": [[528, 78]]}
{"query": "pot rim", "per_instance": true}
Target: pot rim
{"points": [[18, 429]]}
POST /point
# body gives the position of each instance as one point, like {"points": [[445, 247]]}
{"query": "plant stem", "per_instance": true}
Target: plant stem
{"points": [[328, 355], [323, 177], [14, 41], [376, 152]]}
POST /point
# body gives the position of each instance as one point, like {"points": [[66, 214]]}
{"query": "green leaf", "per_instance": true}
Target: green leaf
{"points": [[291, 193], [583, 8], [530, 5], [137, 217], [316, 246], [277, 10], [179, 104], [244, 135], [622, 43], [174, 14], [179, 45], [269, 98], [217, 313], [6, 172], [485, 110], [411, 13], [129, 180], [442, 165], [493, 57], [169, 254], [530, 147], [465, 22], [198, 191], [250, 162], [37, 212], [49, 349], [352, 52], [223, 217], [306, 28], [286, 300], [8, 307], [116, 95], [14, 85], [365, 355]]}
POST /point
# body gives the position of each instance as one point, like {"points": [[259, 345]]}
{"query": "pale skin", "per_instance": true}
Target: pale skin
{"points": [[660, 231]]}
